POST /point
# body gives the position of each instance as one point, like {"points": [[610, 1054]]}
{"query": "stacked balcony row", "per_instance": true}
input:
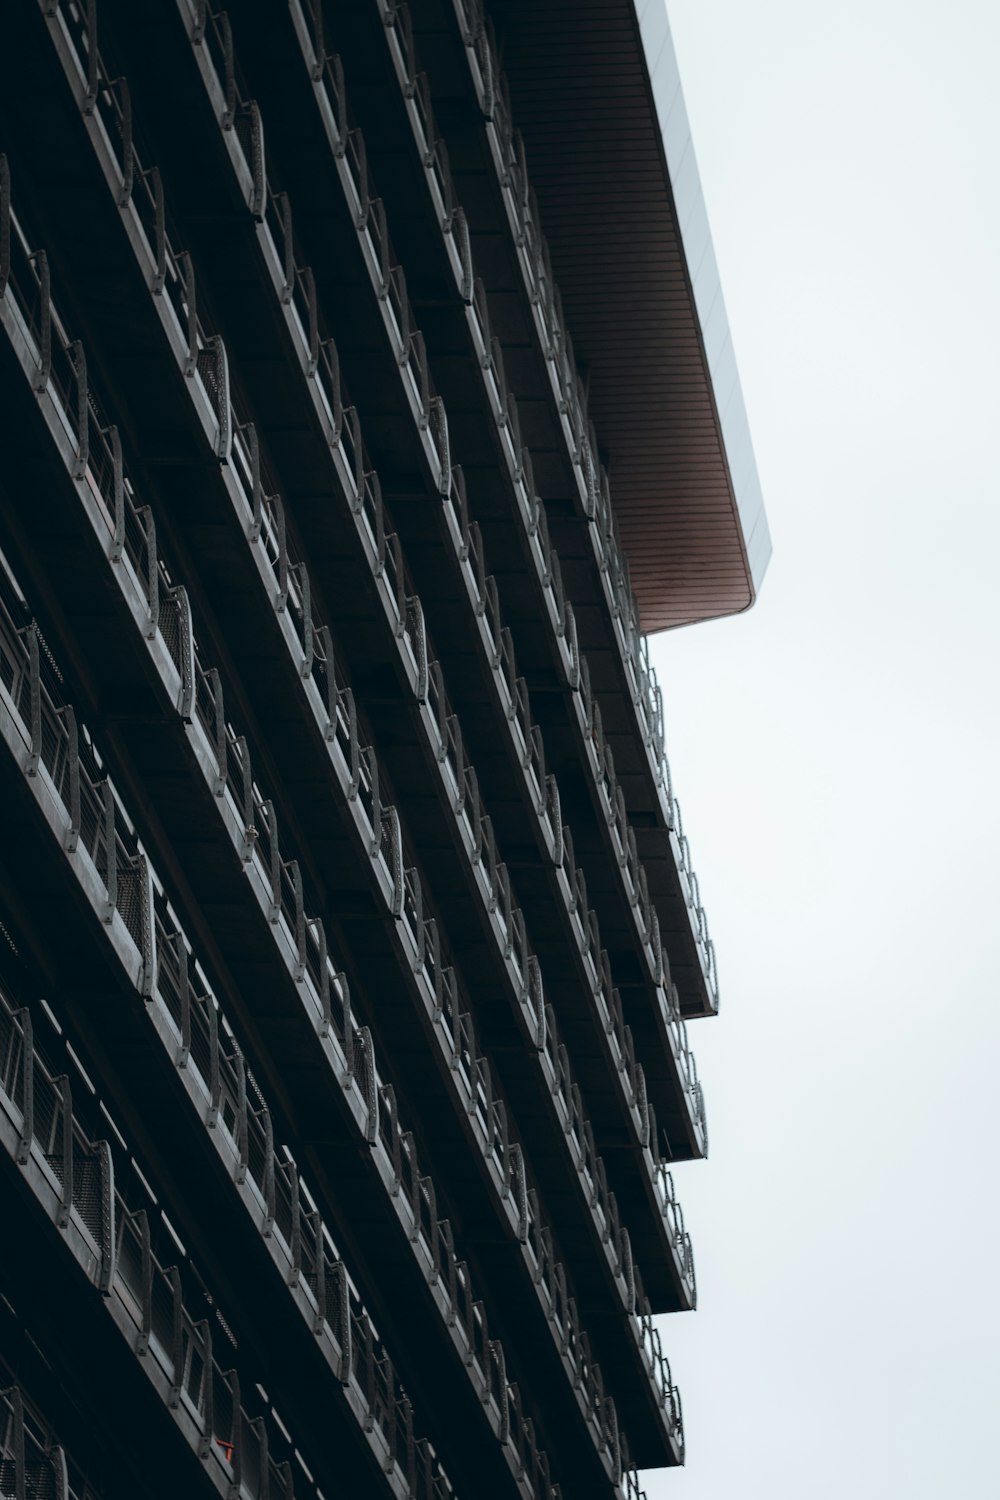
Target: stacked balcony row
{"points": [[213, 45], [32, 1459], [196, 1039], [320, 365], [85, 1186], [568, 400], [129, 533], [591, 744], [208, 358], [282, 882]]}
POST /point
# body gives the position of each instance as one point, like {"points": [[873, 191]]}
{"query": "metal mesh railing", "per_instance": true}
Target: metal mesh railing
{"points": [[138, 543], [33, 1464], [206, 1042], [120, 1235], [98, 819], [544, 297]]}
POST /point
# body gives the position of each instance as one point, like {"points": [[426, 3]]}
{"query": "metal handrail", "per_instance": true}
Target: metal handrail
{"points": [[543, 295], [264, 843]]}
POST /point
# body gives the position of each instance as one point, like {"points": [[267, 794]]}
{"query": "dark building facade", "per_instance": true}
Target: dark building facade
{"points": [[348, 931]]}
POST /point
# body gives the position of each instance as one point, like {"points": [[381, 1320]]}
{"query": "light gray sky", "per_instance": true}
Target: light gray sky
{"points": [[835, 753]]}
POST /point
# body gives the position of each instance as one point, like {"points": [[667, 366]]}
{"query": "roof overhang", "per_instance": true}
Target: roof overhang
{"points": [[597, 96]]}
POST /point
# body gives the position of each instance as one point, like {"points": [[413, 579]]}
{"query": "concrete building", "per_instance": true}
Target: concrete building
{"points": [[367, 394]]}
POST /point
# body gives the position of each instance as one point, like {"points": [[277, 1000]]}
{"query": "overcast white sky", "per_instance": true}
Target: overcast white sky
{"points": [[835, 753]]}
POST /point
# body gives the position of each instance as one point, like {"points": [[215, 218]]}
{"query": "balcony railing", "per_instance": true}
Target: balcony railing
{"points": [[205, 1043], [569, 396], [507, 150], [328, 76], [147, 1297], [258, 816], [383, 543], [32, 1460], [255, 816], [202, 690]]}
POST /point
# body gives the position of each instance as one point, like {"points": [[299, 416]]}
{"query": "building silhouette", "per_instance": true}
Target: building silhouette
{"points": [[367, 392]]}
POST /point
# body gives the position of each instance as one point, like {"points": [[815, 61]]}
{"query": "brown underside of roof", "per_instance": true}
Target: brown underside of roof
{"points": [[581, 97]]}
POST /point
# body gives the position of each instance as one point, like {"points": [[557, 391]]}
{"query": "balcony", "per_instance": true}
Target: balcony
{"points": [[275, 238], [633, 913], [361, 1388], [233, 779], [383, 558], [211, 371], [235, 774], [564, 446], [154, 959], [113, 1240]]}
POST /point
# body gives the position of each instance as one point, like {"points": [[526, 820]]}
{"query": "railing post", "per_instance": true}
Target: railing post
{"points": [[56, 1456], [279, 517], [234, 1448], [27, 1086], [39, 260], [146, 1273], [267, 1126], [249, 433], [242, 1123], [111, 853], [173, 1275], [212, 364], [284, 207], [118, 483], [309, 285], [320, 1263], [327, 350], [347, 1041], [35, 699], [108, 1239], [369, 1088], [555, 818], [355, 744], [274, 871], [214, 681], [144, 876], [128, 155], [390, 831], [160, 230], [344, 1331], [208, 1388], [415, 628], [73, 758], [308, 650], [296, 1230], [145, 512], [537, 1000], [214, 1070], [179, 596], [13, 1394], [295, 871], [191, 298], [93, 74], [460, 230], [226, 38], [66, 1188], [79, 359], [184, 985], [258, 192], [519, 1184]]}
